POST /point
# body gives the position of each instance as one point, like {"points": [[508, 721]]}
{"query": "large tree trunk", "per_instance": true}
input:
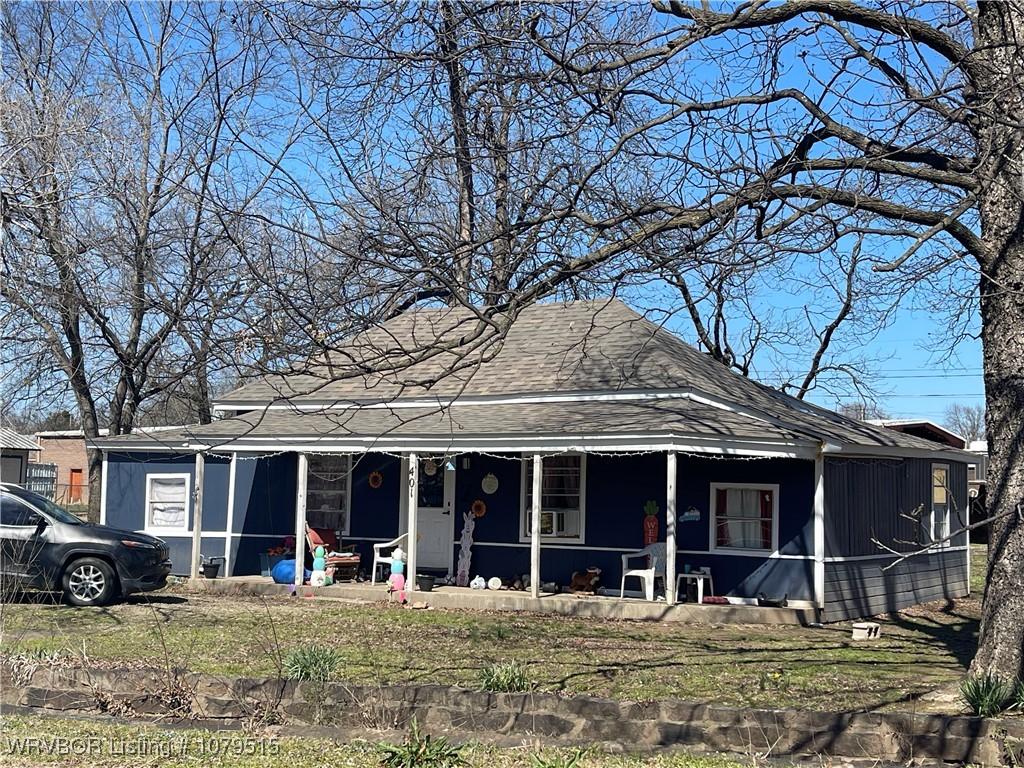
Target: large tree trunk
{"points": [[1002, 623], [95, 459], [449, 45], [1001, 100]]}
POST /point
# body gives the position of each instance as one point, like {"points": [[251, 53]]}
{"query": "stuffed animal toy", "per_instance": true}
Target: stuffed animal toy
{"points": [[585, 582]]}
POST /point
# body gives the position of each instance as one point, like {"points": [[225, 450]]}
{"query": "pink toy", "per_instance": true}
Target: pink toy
{"points": [[396, 583]]}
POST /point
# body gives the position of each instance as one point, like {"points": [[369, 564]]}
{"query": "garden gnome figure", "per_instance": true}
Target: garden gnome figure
{"points": [[396, 581]]}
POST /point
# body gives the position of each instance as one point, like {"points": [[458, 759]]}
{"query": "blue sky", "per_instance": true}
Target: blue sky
{"points": [[917, 382]]}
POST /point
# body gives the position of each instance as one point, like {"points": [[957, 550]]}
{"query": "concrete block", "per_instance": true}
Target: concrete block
{"points": [[592, 709], [543, 725], [622, 731], [219, 707], [640, 710], [682, 711], [679, 734], [51, 698]]}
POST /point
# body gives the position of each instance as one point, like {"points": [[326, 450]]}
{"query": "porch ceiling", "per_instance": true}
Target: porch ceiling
{"points": [[480, 427]]}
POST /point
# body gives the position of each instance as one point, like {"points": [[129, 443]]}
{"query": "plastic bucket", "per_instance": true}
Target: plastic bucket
{"points": [[425, 583], [211, 567]]}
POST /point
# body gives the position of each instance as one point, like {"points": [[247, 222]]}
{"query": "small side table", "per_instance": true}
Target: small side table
{"points": [[700, 577]]}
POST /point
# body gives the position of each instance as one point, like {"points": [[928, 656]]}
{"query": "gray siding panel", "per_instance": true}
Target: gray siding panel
{"points": [[888, 500], [859, 588], [869, 499]]}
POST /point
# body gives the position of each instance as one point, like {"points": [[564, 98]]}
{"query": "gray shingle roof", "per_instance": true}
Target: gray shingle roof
{"points": [[676, 417], [584, 346]]}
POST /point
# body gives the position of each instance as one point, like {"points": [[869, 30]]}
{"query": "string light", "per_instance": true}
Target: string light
{"points": [[248, 456], [508, 456]]}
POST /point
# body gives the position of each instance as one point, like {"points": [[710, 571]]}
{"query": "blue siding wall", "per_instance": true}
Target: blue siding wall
{"points": [[617, 489], [264, 502], [126, 484], [264, 508], [375, 511], [126, 498]]}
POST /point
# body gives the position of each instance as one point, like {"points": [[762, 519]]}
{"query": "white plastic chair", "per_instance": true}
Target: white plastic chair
{"points": [[381, 559], [655, 570]]}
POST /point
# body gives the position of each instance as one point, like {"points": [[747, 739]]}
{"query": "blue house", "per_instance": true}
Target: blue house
{"points": [[433, 419]]}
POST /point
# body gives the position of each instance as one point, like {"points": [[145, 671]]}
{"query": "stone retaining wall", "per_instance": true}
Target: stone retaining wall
{"points": [[559, 720]]}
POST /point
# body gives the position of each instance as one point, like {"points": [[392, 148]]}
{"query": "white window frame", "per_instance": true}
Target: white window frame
{"points": [[163, 529], [525, 512], [349, 477], [947, 523], [713, 516]]}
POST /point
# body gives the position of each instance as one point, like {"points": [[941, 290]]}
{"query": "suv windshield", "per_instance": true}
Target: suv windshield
{"points": [[43, 503]]}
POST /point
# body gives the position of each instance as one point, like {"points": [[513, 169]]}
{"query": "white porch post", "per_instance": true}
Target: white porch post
{"points": [[670, 528], [300, 520], [819, 529], [197, 515], [103, 491], [230, 525], [412, 512], [538, 469]]}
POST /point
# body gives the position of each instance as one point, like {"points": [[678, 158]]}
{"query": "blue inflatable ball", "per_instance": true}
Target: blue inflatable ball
{"points": [[319, 563], [397, 566], [284, 572]]}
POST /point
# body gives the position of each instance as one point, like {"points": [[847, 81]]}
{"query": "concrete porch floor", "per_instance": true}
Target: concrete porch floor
{"points": [[463, 598]]}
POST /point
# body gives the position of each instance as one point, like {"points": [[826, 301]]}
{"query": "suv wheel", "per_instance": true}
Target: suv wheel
{"points": [[89, 581]]}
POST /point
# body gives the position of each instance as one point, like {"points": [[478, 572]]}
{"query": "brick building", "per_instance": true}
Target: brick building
{"points": [[65, 449]]}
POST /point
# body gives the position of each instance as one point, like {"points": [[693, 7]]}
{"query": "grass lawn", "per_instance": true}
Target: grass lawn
{"points": [[811, 668], [107, 744], [979, 560]]}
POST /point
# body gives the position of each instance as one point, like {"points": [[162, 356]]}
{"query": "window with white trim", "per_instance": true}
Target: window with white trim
{"points": [[562, 497], [744, 516], [167, 500], [940, 502], [328, 482]]}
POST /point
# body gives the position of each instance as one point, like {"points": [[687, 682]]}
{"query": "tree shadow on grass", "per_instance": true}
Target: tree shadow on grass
{"points": [[959, 635]]}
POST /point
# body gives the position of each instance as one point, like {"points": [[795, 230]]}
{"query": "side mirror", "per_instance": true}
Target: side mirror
{"points": [[41, 523]]}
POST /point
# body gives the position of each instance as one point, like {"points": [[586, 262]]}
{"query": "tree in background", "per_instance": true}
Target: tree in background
{"points": [[968, 421], [807, 121], [862, 411], [120, 122]]}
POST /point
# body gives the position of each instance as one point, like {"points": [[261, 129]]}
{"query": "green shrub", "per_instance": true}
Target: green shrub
{"points": [[505, 677], [558, 760], [986, 695], [421, 751], [1018, 695], [315, 663]]}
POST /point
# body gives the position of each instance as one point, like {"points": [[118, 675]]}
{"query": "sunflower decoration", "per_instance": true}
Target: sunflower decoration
{"points": [[479, 508], [376, 479]]}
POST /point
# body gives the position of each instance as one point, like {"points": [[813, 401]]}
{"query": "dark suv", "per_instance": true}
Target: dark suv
{"points": [[44, 547]]}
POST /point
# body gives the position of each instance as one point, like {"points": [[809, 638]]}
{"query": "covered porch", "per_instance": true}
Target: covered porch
{"points": [[591, 507]]}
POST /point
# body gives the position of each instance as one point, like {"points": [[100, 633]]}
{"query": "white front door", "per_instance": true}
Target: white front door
{"points": [[434, 519]]}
